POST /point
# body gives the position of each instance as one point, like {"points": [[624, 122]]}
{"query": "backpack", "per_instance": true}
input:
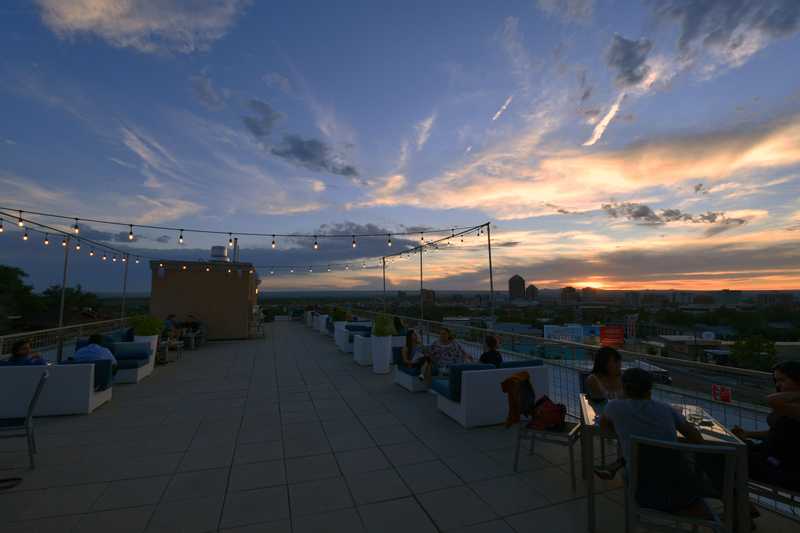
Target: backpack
{"points": [[547, 414]]}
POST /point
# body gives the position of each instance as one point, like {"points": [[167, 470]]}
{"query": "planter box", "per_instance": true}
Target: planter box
{"points": [[362, 350], [150, 339], [340, 334], [381, 354]]}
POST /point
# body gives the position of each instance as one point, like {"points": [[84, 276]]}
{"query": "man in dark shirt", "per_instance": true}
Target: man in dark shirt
{"points": [[492, 356]]}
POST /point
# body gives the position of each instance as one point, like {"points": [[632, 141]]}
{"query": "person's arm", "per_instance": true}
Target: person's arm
{"points": [[742, 434], [595, 388], [785, 403]]}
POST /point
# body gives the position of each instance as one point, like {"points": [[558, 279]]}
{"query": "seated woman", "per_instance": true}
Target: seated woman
{"points": [[492, 356], [412, 350], [446, 352], [775, 458], [23, 354], [605, 381]]}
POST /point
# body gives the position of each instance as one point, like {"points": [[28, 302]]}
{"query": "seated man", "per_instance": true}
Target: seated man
{"points": [[676, 489], [23, 354], [95, 351]]}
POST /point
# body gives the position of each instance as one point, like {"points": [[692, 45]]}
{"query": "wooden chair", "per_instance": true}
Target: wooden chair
{"points": [[648, 469], [11, 428]]}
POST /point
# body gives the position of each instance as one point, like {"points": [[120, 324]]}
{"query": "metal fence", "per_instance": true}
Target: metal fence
{"points": [[51, 342]]}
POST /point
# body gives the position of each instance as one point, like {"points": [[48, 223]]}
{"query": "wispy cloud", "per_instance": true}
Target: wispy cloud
{"points": [[600, 127], [424, 128], [313, 154], [503, 108], [205, 92], [568, 10], [145, 25]]}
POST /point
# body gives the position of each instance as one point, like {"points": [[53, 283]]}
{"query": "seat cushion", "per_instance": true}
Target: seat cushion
{"points": [[125, 364], [442, 386], [521, 364], [411, 371], [131, 350], [455, 378]]}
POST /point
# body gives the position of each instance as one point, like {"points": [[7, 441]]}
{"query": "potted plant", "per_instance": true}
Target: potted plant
{"points": [[382, 331], [147, 328]]}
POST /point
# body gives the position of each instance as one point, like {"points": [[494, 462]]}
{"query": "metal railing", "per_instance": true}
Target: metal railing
{"points": [[50, 342]]}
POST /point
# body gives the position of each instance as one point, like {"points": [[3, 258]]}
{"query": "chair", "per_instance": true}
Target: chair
{"points": [[23, 427], [657, 466], [783, 501], [567, 435]]}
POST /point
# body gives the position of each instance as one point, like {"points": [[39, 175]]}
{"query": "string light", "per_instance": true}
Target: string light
{"points": [[1, 226], [273, 242], [137, 260], [347, 267], [363, 265], [309, 269], [20, 223], [46, 240], [25, 236], [124, 259], [161, 265], [130, 233], [76, 228], [114, 258], [229, 271], [329, 269], [316, 244], [422, 237], [230, 240], [354, 241], [184, 267], [271, 272], [389, 241], [180, 237], [77, 246], [251, 271], [91, 252], [208, 269], [105, 257], [291, 271]]}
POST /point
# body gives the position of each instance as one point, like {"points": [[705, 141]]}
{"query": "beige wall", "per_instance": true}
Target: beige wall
{"points": [[223, 301]]}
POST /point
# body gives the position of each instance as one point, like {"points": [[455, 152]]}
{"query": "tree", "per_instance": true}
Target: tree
{"points": [[756, 353], [19, 307]]}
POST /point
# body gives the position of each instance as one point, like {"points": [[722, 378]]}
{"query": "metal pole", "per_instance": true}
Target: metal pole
{"points": [[491, 271], [421, 298], [383, 260], [125, 286], [236, 249], [63, 297]]}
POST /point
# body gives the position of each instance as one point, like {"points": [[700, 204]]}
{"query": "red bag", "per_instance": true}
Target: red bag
{"points": [[548, 414]]}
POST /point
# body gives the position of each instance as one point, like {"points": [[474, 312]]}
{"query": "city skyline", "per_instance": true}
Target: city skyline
{"points": [[651, 147]]}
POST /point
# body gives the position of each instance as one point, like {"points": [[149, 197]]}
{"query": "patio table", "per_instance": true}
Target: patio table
{"points": [[713, 433]]}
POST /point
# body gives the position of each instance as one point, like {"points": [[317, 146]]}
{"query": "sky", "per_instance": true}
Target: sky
{"points": [[612, 144]]}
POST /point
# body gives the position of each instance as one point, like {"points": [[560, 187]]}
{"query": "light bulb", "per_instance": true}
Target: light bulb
{"points": [[105, 257], [137, 261], [46, 240], [422, 237], [208, 269], [271, 272], [124, 259], [114, 259], [291, 271], [309, 269], [161, 265], [76, 228], [273, 242], [316, 244], [389, 241], [91, 252], [20, 223], [329, 269], [77, 246], [229, 271], [130, 234], [1, 226], [25, 236], [251, 271], [230, 241], [183, 267], [180, 237], [354, 241], [347, 267]]}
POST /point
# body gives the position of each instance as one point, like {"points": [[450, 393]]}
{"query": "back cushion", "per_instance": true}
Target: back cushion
{"points": [[455, 378]]}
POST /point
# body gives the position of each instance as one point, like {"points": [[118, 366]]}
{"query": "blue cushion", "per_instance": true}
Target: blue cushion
{"points": [[357, 328], [442, 386], [397, 355], [131, 350], [521, 364], [455, 378]]}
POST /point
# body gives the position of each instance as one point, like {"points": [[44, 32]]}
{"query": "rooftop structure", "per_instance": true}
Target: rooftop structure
{"points": [[516, 287]]}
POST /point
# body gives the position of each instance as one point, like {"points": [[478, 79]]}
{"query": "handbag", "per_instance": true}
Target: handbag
{"points": [[547, 414]]}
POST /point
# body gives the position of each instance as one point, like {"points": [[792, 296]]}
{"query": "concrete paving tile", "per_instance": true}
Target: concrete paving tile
{"points": [[363, 460], [426, 477], [254, 506], [301, 469], [256, 475], [396, 516], [342, 520], [131, 493], [196, 485], [186, 516], [376, 485], [455, 507], [131, 520], [318, 496]]}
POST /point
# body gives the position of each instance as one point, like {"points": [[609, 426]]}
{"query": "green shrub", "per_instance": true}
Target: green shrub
{"points": [[383, 326], [146, 325], [339, 314]]}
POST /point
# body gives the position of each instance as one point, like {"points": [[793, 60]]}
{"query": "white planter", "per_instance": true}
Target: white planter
{"points": [[381, 354], [150, 339], [340, 334], [362, 350], [321, 319]]}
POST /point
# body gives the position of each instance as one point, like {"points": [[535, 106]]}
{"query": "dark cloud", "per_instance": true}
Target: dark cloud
{"points": [[628, 58], [205, 92], [645, 216], [264, 119], [727, 24], [312, 154], [163, 239], [585, 88]]}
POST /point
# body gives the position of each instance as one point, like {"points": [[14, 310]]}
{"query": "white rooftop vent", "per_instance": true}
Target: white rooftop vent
{"points": [[220, 254]]}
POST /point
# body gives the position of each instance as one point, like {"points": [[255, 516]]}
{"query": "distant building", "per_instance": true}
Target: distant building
{"points": [[516, 287], [570, 332], [766, 299], [569, 295], [531, 292], [588, 294], [632, 299]]}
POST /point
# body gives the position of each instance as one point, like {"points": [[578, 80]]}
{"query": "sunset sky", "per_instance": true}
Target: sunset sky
{"points": [[611, 143]]}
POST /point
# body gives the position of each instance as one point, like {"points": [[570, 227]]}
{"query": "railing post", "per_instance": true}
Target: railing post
{"points": [[60, 350], [491, 271], [421, 296], [383, 261], [124, 286]]}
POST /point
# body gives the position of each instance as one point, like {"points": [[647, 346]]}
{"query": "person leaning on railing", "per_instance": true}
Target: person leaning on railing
{"points": [[23, 354], [774, 455]]}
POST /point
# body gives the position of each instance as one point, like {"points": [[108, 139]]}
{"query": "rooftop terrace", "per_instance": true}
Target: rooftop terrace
{"points": [[286, 434]]}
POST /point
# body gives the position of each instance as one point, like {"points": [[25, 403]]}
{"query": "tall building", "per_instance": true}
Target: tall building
{"points": [[569, 295], [516, 287], [531, 292]]}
